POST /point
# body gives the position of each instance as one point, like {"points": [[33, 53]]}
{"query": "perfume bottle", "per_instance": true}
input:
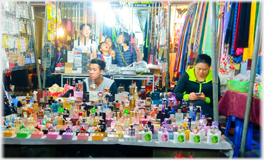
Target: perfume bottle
{"points": [[82, 112], [44, 120], [31, 122], [113, 123], [163, 135], [198, 113], [68, 104], [117, 105], [17, 123], [40, 113], [179, 117], [126, 121], [79, 121], [24, 113], [147, 134], [68, 122], [7, 120], [127, 106], [135, 94], [47, 110], [120, 88], [131, 131], [49, 122], [61, 121], [84, 124], [148, 104], [163, 106], [27, 98], [35, 106], [143, 92], [93, 86]]}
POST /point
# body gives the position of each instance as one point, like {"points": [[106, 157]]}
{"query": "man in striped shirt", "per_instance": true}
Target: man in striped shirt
{"points": [[129, 57]]}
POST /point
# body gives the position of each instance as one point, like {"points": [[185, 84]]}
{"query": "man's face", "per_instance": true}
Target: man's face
{"points": [[104, 47], [120, 39], [95, 71], [86, 31]]}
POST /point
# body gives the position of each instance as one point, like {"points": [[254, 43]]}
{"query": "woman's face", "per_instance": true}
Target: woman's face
{"points": [[120, 39], [95, 71], [202, 69], [108, 42], [86, 31]]}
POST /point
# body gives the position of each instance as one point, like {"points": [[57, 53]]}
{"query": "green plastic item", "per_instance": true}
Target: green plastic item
{"points": [[147, 43], [23, 133], [237, 86], [126, 111]]}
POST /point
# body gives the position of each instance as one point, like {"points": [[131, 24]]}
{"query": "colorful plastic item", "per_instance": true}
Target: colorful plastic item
{"points": [[68, 134], [52, 134], [37, 133], [82, 135]]}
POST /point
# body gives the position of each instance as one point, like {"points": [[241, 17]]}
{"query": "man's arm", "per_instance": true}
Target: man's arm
{"points": [[134, 55], [113, 89]]}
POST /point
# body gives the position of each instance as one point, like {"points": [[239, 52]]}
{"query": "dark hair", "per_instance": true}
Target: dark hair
{"points": [[203, 58], [85, 24], [113, 45], [100, 62], [99, 46], [126, 37]]}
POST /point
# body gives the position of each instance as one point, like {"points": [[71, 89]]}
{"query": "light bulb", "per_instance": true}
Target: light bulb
{"points": [[60, 32]]}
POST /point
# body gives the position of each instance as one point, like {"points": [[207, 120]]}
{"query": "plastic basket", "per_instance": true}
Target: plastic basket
{"points": [[237, 86], [260, 91]]}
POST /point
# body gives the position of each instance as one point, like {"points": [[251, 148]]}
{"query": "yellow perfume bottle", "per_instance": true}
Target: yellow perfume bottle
{"points": [[31, 122], [49, 12], [35, 106], [17, 123], [49, 122], [25, 113]]}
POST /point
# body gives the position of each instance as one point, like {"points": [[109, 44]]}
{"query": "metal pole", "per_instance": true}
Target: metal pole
{"points": [[214, 60], [33, 42], [45, 41], [252, 80], [168, 45]]}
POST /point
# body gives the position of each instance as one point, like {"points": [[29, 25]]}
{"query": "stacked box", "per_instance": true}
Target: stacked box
{"points": [[85, 62]]}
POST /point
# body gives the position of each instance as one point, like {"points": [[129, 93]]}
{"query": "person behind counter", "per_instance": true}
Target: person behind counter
{"points": [[96, 71], [105, 55], [129, 57], [85, 31], [195, 85], [111, 45]]}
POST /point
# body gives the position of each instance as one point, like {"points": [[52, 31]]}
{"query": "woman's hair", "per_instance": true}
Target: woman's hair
{"points": [[126, 37], [100, 62], [203, 58], [87, 24], [113, 45], [99, 46]]}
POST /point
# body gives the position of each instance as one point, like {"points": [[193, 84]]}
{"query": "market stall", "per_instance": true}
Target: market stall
{"points": [[123, 74]]}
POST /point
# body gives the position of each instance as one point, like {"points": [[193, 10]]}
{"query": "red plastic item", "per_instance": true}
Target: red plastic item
{"points": [[179, 155]]}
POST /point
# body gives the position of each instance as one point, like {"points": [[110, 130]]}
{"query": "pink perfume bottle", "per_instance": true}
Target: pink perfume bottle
{"points": [[82, 135], [113, 123]]}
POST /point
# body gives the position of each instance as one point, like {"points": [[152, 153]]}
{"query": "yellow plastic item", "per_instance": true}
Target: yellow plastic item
{"points": [[187, 134], [59, 16], [98, 137], [9, 133], [49, 12]]}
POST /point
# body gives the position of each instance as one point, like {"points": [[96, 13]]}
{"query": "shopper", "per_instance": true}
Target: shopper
{"points": [[128, 56], [85, 32], [111, 45], [105, 54], [195, 85], [96, 74], [134, 45]]}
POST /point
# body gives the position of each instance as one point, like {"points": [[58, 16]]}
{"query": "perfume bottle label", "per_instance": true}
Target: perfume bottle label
{"points": [[147, 137], [196, 139], [164, 138], [214, 139], [181, 138]]}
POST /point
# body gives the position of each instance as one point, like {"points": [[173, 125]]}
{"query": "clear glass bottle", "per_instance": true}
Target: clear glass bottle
{"points": [[93, 86], [179, 117], [68, 122], [120, 88]]}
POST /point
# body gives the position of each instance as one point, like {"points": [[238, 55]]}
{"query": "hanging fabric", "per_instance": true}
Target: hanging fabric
{"points": [[248, 52]]}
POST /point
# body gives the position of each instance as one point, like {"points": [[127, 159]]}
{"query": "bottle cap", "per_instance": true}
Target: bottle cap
{"points": [[80, 118], [203, 116], [179, 110], [68, 119], [172, 110]]}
